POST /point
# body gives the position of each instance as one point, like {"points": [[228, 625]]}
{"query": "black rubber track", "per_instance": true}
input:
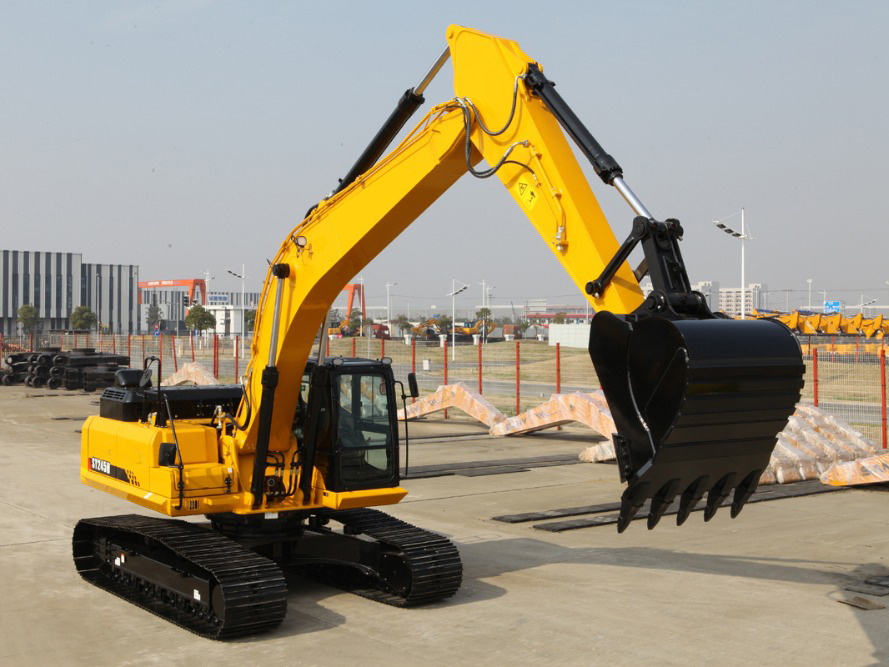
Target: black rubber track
{"points": [[434, 562], [253, 588]]}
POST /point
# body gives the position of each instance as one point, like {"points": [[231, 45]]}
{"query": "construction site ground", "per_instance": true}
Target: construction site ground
{"points": [[760, 589]]}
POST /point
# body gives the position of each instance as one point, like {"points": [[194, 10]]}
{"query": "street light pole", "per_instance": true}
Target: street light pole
{"points": [[453, 295], [484, 293], [863, 304], [243, 306], [809, 280], [361, 328], [486, 304], [388, 309], [743, 280], [743, 236], [243, 277]]}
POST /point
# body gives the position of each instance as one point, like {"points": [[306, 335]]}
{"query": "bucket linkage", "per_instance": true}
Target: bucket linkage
{"points": [[697, 398]]}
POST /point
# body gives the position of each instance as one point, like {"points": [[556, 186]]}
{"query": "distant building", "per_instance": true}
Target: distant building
{"points": [[725, 299], [56, 283], [174, 304], [540, 313], [730, 299], [226, 308]]}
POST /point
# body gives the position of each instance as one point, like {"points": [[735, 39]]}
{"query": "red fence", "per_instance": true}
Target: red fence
{"points": [[846, 379]]}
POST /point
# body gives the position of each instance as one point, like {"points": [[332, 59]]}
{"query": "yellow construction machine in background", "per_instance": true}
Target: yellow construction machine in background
{"points": [[835, 324]]}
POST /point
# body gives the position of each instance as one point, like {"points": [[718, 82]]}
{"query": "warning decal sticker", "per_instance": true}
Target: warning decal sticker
{"points": [[527, 192]]}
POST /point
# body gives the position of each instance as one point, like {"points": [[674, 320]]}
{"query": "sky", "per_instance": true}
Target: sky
{"points": [[191, 135]]}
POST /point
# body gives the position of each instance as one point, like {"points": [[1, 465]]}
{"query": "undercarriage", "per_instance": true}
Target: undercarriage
{"points": [[226, 580]]}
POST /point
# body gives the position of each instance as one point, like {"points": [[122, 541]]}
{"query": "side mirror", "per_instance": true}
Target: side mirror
{"points": [[412, 385]]}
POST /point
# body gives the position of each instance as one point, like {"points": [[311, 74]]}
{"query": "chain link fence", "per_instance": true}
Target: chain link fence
{"points": [[847, 378]]}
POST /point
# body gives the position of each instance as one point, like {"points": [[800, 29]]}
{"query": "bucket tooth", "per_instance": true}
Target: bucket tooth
{"points": [[661, 502], [627, 512], [717, 494], [690, 498], [630, 503], [744, 491]]}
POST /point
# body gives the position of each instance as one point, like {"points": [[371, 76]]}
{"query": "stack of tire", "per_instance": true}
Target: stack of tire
{"points": [[17, 368], [87, 370], [81, 368], [24, 367]]}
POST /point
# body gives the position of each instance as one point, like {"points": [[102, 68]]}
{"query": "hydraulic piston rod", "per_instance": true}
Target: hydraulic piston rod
{"points": [[269, 385], [436, 66], [410, 101]]}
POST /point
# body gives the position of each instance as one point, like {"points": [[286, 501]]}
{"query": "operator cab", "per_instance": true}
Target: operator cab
{"points": [[347, 422]]}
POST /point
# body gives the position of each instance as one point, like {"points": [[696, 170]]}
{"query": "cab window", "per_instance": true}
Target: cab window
{"points": [[364, 430]]}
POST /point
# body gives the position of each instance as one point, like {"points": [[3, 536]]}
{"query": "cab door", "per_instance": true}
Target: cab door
{"points": [[365, 442]]}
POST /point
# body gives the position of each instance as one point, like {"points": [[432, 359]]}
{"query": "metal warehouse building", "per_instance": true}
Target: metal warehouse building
{"points": [[58, 282]]}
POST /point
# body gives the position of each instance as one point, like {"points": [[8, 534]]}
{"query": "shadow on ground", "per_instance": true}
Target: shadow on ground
{"points": [[484, 560]]}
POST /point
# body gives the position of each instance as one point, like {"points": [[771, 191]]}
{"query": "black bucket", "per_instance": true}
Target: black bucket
{"points": [[698, 405]]}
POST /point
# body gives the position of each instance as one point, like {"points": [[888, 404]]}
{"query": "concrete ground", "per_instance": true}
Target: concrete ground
{"points": [[759, 589]]}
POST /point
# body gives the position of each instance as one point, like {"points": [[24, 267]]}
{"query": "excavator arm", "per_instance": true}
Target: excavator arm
{"points": [[697, 400]]}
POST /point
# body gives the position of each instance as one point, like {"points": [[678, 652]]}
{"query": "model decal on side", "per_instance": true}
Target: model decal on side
{"points": [[104, 467]]}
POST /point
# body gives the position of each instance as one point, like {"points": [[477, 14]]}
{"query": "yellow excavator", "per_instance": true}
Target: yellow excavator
{"points": [[428, 330], [289, 467], [477, 328]]}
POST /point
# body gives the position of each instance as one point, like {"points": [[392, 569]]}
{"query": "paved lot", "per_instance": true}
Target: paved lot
{"points": [[758, 589]]}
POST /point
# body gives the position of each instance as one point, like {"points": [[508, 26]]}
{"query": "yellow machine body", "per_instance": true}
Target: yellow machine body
{"points": [[121, 458]]}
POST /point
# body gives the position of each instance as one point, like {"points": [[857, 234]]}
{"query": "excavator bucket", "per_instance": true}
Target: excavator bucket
{"points": [[697, 403]]}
